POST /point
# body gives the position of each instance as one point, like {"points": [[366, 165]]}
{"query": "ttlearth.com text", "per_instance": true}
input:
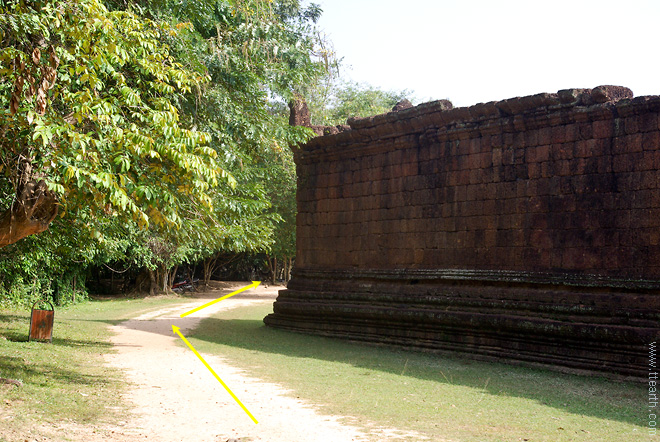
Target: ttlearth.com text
{"points": [[653, 391]]}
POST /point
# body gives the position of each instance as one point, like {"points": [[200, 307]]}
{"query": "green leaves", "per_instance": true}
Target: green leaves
{"points": [[111, 117], [338, 101], [43, 133], [156, 131]]}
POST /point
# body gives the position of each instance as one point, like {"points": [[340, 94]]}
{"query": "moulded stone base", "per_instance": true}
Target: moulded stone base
{"points": [[556, 321]]}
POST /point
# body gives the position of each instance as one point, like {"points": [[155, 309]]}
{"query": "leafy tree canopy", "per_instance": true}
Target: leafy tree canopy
{"points": [[334, 101], [88, 99], [157, 131]]}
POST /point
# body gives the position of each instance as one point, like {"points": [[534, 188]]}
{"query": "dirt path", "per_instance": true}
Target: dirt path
{"points": [[177, 399]]}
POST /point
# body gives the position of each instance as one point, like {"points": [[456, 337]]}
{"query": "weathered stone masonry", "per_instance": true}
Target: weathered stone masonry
{"points": [[524, 230]]}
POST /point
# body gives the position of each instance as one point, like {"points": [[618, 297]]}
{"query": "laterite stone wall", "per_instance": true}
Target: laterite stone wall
{"points": [[526, 230]]}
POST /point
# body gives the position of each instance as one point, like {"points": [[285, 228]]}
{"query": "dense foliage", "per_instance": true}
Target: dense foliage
{"points": [[89, 97], [333, 102], [158, 133]]}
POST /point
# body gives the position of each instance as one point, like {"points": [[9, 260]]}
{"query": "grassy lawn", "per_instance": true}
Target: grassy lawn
{"points": [[66, 381], [443, 398]]}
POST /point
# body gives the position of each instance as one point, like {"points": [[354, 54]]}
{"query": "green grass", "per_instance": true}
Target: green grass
{"points": [[443, 398], [66, 381]]}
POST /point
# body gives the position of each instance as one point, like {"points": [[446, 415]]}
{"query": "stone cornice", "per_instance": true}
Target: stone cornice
{"points": [[440, 120]]}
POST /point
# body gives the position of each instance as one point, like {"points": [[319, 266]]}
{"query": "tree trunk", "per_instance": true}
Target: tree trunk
{"points": [[144, 281], [172, 276], [288, 266], [274, 270], [272, 267], [163, 278], [153, 287], [206, 267], [32, 211], [209, 268]]}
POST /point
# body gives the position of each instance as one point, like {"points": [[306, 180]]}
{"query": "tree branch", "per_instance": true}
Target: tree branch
{"points": [[32, 211]]}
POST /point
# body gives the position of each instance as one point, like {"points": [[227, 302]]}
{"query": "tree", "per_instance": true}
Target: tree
{"points": [[88, 117], [334, 102], [255, 54], [257, 61], [149, 137], [281, 182], [247, 220]]}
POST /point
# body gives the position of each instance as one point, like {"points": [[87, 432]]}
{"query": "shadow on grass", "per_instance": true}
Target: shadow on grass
{"points": [[15, 326], [66, 342], [43, 373], [596, 397], [584, 396], [18, 337]]}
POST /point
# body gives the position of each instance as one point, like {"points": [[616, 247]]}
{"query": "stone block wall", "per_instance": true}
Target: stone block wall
{"points": [[525, 230]]}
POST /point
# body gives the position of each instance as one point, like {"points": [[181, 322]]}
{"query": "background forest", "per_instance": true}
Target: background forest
{"points": [[144, 139]]}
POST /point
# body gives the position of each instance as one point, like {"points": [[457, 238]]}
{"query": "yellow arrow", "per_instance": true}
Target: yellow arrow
{"points": [[247, 287], [176, 330]]}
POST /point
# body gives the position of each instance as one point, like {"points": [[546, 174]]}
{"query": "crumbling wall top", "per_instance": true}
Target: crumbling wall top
{"points": [[406, 119]]}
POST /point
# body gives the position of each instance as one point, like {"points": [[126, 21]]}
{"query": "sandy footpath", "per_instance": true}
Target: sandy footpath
{"points": [[176, 398], [173, 397]]}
